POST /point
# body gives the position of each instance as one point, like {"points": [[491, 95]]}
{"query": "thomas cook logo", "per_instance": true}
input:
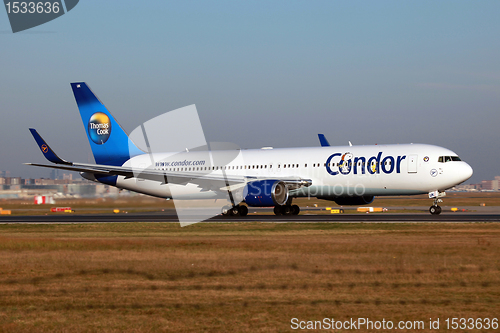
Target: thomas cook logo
{"points": [[45, 149], [99, 128], [25, 15]]}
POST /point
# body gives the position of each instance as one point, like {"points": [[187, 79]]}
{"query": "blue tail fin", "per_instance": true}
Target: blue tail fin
{"points": [[323, 141], [109, 142]]}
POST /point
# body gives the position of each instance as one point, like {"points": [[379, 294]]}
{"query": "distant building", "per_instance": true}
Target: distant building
{"points": [[15, 181], [466, 187], [489, 185]]}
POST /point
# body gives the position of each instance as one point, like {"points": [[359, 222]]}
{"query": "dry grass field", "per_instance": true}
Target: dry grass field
{"points": [[243, 277]]}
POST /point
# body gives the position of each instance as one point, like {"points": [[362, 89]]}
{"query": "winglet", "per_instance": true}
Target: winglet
{"points": [[324, 142], [46, 150]]}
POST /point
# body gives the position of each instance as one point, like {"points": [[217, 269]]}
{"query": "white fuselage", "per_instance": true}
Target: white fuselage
{"points": [[334, 171]]}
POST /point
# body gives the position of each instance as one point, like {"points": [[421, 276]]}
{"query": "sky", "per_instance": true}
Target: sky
{"points": [[261, 73]]}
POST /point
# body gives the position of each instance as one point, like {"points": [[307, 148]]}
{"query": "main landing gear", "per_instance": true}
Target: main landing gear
{"points": [[239, 210], [287, 210], [435, 209]]}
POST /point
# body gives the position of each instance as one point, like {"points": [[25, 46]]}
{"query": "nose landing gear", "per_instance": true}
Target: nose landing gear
{"points": [[435, 209]]}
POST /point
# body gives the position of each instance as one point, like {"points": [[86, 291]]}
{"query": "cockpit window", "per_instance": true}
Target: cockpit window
{"points": [[444, 159]]}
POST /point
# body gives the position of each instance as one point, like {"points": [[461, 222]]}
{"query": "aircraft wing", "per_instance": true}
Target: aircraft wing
{"points": [[129, 172], [207, 181]]}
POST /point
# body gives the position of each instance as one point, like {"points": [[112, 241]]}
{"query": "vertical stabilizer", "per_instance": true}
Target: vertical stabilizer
{"points": [[108, 141]]}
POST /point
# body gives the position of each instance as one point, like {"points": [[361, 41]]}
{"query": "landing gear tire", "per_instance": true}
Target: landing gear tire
{"points": [[235, 211], [226, 210], [243, 210], [435, 210], [286, 210]]}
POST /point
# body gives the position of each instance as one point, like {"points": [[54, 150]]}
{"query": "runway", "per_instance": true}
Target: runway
{"points": [[337, 218]]}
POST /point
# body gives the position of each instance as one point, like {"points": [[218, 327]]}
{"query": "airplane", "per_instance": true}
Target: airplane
{"points": [[267, 177]]}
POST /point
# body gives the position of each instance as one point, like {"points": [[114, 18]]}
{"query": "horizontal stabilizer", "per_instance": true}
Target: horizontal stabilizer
{"points": [[46, 150]]}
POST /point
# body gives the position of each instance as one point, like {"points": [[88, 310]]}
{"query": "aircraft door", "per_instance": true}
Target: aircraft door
{"points": [[412, 163]]}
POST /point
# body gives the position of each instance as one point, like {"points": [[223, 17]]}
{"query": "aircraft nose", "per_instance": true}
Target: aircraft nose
{"points": [[466, 172]]}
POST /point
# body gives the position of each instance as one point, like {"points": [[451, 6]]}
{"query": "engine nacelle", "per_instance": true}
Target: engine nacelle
{"points": [[351, 201], [265, 193]]}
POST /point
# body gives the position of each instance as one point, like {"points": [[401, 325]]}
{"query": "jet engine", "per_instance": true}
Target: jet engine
{"points": [[265, 193]]}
